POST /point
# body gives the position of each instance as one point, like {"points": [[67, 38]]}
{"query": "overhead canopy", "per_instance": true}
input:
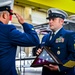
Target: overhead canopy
{"points": [[66, 5]]}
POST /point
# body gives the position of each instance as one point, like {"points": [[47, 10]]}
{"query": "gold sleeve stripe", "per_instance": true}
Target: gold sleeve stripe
{"points": [[69, 64]]}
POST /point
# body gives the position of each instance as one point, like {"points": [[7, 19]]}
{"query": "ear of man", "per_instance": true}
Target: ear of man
{"points": [[4, 15], [61, 20]]}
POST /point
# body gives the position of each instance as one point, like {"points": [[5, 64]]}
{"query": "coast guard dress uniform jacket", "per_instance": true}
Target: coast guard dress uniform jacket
{"points": [[63, 46], [10, 38]]}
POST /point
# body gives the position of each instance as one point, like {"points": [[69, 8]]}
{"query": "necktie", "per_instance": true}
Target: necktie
{"points": [[52, 35]]}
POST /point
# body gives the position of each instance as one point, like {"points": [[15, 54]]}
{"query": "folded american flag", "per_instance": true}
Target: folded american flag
{"points": [[46, 57]]}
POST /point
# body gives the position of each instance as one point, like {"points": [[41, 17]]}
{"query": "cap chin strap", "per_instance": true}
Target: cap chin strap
{"points": [[55, 15]]}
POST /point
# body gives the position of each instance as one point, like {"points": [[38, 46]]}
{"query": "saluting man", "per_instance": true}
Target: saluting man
{"points": [[10, 38], [62, 44]]}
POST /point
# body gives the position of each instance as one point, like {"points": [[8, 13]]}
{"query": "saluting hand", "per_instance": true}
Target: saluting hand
{"points": [[20, 18]]}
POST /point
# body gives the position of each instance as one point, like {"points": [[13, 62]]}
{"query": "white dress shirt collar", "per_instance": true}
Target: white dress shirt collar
{"points": [[57, 31]]}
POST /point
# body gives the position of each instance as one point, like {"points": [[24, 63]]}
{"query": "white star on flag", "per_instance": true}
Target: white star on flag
{"points": [[39, 61], [43, 55]]}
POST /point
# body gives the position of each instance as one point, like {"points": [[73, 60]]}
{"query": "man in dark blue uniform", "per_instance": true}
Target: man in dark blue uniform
{"points": [[10, 38], [62, 44]]}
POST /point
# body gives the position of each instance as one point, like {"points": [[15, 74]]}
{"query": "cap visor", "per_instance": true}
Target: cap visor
{"points": [[47, 18]]}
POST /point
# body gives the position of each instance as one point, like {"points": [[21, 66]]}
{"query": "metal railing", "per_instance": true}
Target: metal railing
{"points": [[21, 64]]}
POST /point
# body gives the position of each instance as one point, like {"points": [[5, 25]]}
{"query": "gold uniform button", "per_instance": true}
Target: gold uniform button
{"points": [[58, 52]]}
